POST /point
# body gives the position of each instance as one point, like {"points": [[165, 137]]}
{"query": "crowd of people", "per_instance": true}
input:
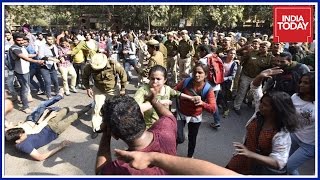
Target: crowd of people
{"points": [[193, 71]]}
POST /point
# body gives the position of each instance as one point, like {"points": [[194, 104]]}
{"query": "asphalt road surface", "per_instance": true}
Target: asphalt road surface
{"points": [[79, 158]]}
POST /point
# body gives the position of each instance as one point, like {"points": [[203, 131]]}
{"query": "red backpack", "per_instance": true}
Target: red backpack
{"points": [[216, 72]]}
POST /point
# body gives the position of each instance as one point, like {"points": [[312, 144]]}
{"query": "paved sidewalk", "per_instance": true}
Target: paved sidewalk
{"points": [[79, 158]]}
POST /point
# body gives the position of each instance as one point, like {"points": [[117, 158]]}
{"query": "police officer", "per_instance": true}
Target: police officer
{"points": [[172, 49], [156, 57], [104, 72], [186, 51], [252, 66], [162, 49]]}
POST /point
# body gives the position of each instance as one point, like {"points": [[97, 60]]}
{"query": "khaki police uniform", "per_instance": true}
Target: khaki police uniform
{"points": [[105, 83], [172, 48], [186, 51], [252, 66], [163, 50]]}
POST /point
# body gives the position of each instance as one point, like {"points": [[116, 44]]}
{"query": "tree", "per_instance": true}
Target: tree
{"points": [[138, 16], [225, 16]]}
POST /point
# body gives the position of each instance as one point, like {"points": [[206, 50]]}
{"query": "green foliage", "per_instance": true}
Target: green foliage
{"points": [[225, 16], [261, 13], [139, 16], [40, 22]]}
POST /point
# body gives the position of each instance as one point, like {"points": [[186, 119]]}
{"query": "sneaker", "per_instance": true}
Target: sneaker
{"points": [[74, 90], [61, 92], [78, 86], [27, 110], [226, 113], [40, 92], [67, 93], [94, 135], [237, 111], [214, 125]]}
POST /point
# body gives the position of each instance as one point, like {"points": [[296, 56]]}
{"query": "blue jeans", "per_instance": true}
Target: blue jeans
{"points": [[127, 63], [299, 153], [24, 80], [35, 71], [36, 114], [10, 83], [50, 75], [216, 116]]}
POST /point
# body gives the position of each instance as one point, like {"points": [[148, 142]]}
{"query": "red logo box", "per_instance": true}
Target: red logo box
{"points": [[293, 23]]}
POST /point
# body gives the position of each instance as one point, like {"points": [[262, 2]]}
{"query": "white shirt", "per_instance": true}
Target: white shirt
{"points": [[281, 141], [39, 43], [306, 113], [227, 67]]}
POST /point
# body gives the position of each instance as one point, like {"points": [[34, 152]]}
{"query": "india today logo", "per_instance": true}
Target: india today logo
{"points": [[293, 23]]}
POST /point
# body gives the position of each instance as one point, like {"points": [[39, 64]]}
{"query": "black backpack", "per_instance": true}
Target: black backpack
{"points": [[9, 61]]}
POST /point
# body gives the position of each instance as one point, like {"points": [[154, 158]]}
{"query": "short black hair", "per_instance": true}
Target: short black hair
{"points": [[124, 118], [205, 48], [18, 35], [286, 55], [38, 33], [50, 35], [13, 134], [232, 49], [158, 38], [26, 38]]}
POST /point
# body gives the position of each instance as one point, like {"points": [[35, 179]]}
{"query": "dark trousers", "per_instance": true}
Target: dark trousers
{"points": [[50, 76], [225, 95], [24, 81], [36, 72], [193, 129], [79, 70]]}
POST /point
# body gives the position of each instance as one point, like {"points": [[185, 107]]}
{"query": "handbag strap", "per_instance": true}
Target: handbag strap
{"points": [[178, 105]]}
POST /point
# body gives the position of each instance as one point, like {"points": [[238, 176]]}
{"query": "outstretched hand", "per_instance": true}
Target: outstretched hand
{"points": [[136, 159], [241, 149], [268, 73]]}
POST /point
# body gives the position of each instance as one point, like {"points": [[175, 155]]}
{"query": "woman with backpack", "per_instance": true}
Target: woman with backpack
{"points": [[303, 140], [265, 150], [191, 112]]}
